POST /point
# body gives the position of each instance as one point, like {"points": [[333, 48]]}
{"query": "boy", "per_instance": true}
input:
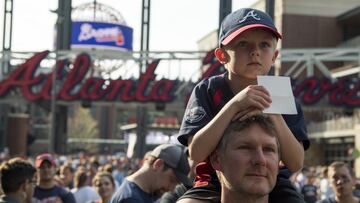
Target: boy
{"points": [[247, 48]]}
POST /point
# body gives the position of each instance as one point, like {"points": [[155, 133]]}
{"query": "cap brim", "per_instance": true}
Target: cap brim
{"points": [[40, 161], [183, 178], [237, 32]]}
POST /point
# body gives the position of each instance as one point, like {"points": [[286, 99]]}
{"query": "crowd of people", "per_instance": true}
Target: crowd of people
{"points": [[96, 179], [235, 152]]}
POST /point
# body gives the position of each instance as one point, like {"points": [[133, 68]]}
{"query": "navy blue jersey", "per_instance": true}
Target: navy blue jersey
{"points": [[207, 99], [54, 194]]}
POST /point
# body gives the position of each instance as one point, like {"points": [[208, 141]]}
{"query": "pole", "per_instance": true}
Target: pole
{"points": [[53, 109]]}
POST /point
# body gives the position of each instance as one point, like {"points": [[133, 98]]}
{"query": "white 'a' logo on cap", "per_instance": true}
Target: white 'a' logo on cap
{"points": [[250, 14]]}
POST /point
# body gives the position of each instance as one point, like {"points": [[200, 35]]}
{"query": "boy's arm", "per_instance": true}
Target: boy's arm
{"points": [[291, 150], [253, 97], [206, 139]]}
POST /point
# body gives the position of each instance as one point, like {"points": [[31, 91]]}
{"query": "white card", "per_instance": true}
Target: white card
{"points": [[279, 87]]}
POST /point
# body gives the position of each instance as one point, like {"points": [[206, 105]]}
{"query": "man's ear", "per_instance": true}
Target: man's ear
{"points": [[24, 185], [158, 163], [215, 160], [221, 55]]}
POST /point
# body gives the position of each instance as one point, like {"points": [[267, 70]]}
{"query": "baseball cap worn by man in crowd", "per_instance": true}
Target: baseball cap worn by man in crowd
{"points": [[163, 168], [175, 157], [45, 157], [47, 190]]}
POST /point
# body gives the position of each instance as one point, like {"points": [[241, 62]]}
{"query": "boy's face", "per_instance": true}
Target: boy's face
{"points": [[250, 54]]}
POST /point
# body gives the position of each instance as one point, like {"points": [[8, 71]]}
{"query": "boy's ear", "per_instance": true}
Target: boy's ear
{"points": [[221, 55], [276, 53], [215, 160]]}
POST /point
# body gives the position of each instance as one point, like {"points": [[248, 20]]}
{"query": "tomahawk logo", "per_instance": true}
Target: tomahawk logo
{"points": [[250, 14]]}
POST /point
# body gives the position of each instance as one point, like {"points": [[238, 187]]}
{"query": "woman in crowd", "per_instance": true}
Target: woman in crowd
{"points": [[104, 185], [82, 191]]}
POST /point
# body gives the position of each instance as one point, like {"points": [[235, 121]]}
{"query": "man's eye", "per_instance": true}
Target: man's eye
{"points": [[269, 149], [244, 147]]}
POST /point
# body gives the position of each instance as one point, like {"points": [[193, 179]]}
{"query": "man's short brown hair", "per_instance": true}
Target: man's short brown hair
{"points": [[14, 173], [264, 122]]}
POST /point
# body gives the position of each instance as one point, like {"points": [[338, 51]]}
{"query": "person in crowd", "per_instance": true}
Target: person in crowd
{"points": [[180, 189], [247, 48], [46, 190], [342, 180], [18, 180], [162, 169], [93, 167], [324, 185], [309, 189], [252, 144], [120, 170], [67, 175], [104, 185], [82, 191]]}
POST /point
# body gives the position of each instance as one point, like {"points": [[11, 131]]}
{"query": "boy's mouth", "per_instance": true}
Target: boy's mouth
{"points": [[254, 63]]}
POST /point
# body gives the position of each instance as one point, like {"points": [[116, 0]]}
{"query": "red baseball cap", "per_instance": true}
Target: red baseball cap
{"points": [[44, 157]]}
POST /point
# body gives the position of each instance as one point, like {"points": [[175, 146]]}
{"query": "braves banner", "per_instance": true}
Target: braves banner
{"points": [[112, 36]]}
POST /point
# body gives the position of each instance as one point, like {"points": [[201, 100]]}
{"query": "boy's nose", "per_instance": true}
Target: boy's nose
{"points": [[254, 51]]}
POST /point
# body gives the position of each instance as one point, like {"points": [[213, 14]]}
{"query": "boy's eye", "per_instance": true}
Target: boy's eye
{"points": [[265, 45], [241, 44]]}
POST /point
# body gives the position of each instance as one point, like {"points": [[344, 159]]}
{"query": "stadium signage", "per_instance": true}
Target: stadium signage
{"points": [[101, 35], [74, 84], [77, 87]]}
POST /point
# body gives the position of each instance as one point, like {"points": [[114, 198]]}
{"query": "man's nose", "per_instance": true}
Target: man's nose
{"points": [[258, 158]]}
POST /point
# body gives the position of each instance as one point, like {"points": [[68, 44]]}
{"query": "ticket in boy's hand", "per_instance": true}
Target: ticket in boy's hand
{"points": [[281, 94]]}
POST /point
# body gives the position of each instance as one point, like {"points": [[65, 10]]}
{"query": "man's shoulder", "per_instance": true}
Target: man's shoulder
{"points": [[129, 192], [7, 199], [327, 200]]}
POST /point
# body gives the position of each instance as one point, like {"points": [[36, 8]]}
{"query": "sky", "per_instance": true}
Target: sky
{"points": [[175, 25]]}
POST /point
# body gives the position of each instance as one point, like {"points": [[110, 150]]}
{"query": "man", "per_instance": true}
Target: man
{"points": [[163, 168], [17, 180], [180, 189], [246, 160], [67, 175], [47, 190], [342, 180]]}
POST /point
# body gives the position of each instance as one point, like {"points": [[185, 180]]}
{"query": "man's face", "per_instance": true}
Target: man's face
{"points": [[249, 162], [46, 171], [166, 181], [341, 181], [30, 187], [252, 53]]}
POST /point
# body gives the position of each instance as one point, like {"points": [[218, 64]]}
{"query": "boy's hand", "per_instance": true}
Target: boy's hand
{"points": [[251, 101]]}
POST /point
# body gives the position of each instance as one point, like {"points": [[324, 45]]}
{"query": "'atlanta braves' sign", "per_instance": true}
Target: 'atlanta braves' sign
{"points": [[77, 86]]}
